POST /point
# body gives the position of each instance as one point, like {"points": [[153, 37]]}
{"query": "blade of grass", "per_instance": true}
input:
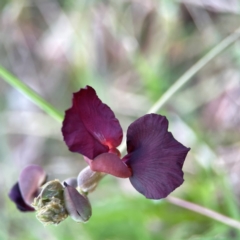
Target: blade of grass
{"points": [[204, 211], [30, 94], [187, 76]]}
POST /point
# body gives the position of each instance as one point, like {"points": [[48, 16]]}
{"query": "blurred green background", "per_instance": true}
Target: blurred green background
{"points": [[131, 52]]}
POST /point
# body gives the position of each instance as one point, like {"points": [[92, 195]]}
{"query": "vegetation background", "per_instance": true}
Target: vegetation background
{"points": [[131, 52]]}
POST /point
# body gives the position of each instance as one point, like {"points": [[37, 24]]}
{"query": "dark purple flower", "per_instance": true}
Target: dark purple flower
{"points": [[27, 187], [154, 160]]}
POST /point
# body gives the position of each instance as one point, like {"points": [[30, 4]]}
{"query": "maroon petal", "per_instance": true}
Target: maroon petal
{"points": [[16, 196], [31, 178], [110, 163], [90, 127], [155, 157]]}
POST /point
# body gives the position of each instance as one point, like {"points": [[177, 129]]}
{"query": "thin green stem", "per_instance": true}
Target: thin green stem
{"points": [[204, 211], [30, 94], [187, 76]]}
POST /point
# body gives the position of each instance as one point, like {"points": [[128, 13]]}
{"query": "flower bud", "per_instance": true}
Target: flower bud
{"points": [[71, 181], [88, 180], [77, 205], [49, 204]]}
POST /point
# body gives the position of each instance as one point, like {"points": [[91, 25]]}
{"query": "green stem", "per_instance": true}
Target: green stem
{"points": [[187, 76], [30, 94], [204, 211]]}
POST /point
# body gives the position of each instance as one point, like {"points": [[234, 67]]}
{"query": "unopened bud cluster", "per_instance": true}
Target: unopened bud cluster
{"points": [[57, 200]]}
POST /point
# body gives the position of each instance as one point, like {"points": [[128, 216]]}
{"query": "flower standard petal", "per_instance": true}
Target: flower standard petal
{"points": [[155, 157], [90, 126], [16, 196], [110, 163], [31, 178]]}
